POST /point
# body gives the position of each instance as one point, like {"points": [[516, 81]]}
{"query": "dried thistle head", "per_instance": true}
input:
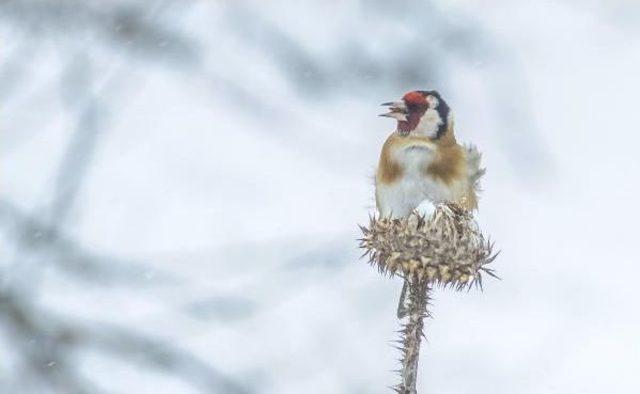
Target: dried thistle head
{"points": [[447, 248]]}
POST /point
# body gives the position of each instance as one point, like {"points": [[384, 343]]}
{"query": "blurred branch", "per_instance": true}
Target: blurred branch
{"points": [[45, 342], [131, 27], [45, 346], [81, 147], [49, 344], [35, 236]]}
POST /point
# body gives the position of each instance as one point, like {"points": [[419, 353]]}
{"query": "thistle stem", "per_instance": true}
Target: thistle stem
{"points": [[416, 311]]}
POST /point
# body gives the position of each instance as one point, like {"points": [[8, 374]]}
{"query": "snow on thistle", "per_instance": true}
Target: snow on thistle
{"points": [[446, 249]]}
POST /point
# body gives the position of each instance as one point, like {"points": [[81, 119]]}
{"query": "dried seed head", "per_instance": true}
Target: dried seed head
{"points": [[446, 249]]}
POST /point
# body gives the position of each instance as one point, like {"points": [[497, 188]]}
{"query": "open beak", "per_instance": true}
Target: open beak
{"points": [[397, 110]]}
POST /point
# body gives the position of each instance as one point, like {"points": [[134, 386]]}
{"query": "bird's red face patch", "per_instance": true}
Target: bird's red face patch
{"points": [[414, 98], [416, 106]]}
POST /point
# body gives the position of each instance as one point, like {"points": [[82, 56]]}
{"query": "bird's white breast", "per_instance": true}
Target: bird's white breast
{"points": [[405, 194]]}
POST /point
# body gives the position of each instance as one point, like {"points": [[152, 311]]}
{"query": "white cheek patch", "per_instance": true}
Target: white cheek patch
{"points": [[433, 101], [430, 123]]}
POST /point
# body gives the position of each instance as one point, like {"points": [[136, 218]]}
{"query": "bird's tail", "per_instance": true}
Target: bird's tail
{"points": [[474, 169]]}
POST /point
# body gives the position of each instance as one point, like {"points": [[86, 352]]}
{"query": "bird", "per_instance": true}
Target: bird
{"points": [[421, 163]]}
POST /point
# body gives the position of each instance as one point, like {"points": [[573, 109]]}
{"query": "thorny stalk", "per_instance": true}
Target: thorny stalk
{"points": [[412, 333]]}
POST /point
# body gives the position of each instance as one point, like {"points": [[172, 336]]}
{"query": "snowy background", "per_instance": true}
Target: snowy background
{"points": [[181, 183]]}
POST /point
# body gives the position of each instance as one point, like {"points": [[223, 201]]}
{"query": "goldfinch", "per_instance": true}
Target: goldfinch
{"points": [[421, 160]]}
